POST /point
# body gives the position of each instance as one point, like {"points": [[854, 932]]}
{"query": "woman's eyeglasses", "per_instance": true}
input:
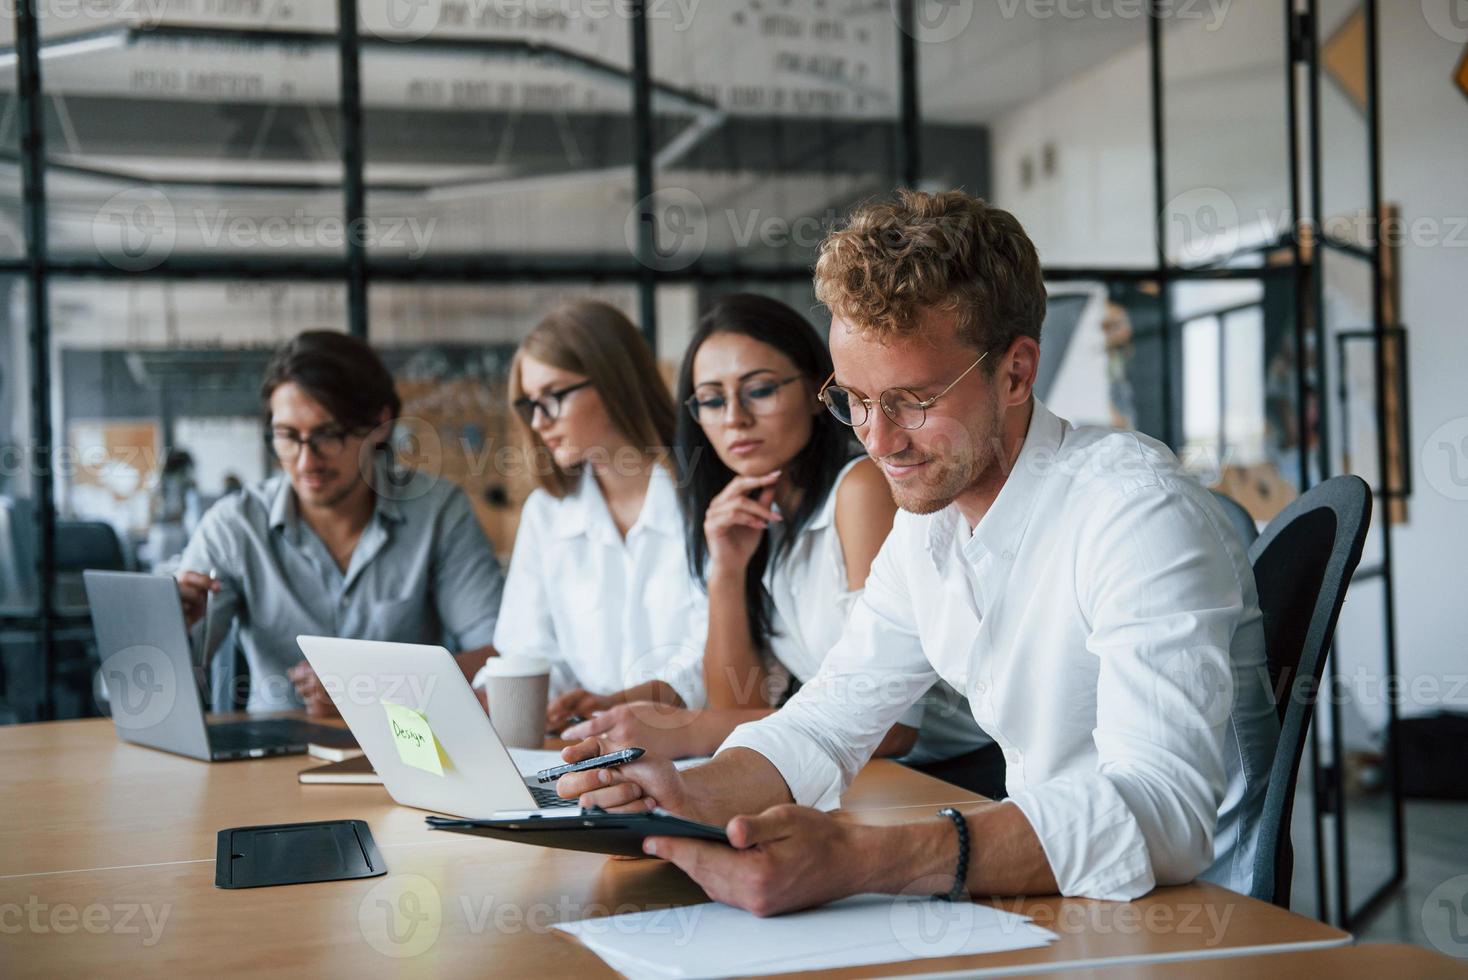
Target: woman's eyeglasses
{"points": [[759, 397], [902, 406], [551, 403]]}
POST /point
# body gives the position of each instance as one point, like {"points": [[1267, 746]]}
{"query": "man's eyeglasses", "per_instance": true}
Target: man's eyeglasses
{"points": [[758, 397], [325, 443], [551, 403], [902, 406]]}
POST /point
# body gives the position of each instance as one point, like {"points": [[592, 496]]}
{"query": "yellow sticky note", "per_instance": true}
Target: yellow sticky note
{"points": [[416, 743]]}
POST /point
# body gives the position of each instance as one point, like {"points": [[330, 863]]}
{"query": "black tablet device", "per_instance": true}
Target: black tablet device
{"points": [[592, 829]]}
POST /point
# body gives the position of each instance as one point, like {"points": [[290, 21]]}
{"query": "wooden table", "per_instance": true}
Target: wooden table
{"points": [[1387, 961], [107, 866]]}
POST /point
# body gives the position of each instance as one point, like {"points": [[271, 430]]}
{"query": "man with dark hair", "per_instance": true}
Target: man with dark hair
{"points": [[340, 542]]}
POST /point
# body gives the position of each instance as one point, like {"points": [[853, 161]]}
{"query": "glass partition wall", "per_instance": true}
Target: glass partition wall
{"points": [[182, 186]]}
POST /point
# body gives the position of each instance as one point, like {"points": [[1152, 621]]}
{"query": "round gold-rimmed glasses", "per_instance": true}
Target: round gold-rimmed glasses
{"points": [[903, 407]]}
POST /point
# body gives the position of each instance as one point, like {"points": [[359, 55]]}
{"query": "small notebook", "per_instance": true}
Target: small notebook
{"points": [[333, 753], [358, 770]]}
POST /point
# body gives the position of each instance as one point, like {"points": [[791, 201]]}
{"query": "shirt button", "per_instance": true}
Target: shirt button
{"points": [[1007, 556], [980, 687]]}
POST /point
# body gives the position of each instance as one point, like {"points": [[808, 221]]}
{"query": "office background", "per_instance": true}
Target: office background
{"points": [[184, 184]]}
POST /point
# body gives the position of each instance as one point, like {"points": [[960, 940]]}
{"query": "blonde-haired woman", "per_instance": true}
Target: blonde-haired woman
{"points": [[598, 583]]}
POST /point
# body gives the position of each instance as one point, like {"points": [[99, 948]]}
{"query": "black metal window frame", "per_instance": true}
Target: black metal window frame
{"points": [[357, 269]]}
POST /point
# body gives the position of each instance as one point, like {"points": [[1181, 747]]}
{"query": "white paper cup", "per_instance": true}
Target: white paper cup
{"points": [[518, 689]]}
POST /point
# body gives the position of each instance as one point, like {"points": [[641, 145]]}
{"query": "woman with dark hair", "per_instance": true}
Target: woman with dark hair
{"points": [[597, 583], [783, 516]]}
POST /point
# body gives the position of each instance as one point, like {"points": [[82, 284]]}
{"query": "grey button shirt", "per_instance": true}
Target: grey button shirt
{"points": [[422, 572]]}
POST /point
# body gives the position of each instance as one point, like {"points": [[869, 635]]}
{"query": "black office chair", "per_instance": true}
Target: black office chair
{"points": [[88, 544], [1303, 563], [17, 555], [1239, 518]]}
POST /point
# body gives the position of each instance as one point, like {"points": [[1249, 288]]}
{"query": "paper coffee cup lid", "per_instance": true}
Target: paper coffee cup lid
{"points": [[516, 666]]}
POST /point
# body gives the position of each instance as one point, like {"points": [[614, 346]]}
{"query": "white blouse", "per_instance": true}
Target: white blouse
{"points": [[812, 605], [609, 613]]}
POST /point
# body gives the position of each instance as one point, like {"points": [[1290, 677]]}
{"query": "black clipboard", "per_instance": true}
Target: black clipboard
{"points": [[592, 829], [296, 853]]}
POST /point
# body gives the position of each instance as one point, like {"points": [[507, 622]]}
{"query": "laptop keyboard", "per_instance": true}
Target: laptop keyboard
{"points": [[276, 731], [252, 734], [546, 798]]}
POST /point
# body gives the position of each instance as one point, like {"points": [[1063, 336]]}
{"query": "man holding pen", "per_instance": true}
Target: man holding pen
{"points": [[1087, 597], [337, 543]]}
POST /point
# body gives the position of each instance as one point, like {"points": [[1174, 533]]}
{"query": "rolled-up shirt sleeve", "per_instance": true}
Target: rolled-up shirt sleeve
{"points": [[1163, 601], [467, 580], [872, 676]]}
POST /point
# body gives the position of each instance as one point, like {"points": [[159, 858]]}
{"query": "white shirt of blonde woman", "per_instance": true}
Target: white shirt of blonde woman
{"points": [[609, 613]]}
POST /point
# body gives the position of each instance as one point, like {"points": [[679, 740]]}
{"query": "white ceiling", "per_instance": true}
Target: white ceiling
{"points": [[1005, 57]]}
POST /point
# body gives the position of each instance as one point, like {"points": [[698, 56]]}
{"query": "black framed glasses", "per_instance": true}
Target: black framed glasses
{"points": [[326, 443], [551, 403], [758, 397], [903, 407]]}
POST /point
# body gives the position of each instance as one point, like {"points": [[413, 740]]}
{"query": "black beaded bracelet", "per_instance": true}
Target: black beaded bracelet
{"points": [[960, 876]]}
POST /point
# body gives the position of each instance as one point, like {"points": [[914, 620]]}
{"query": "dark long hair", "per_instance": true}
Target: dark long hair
{"points": [[703, 475]]}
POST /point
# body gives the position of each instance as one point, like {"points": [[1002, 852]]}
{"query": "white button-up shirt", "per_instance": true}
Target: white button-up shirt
{"points": [[1102, 620], [608, 613], [813, 602]]}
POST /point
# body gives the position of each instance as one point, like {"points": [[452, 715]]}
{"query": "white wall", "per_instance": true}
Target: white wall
{"points": [[1225, 136], [1097, 207], [1425, 157]]}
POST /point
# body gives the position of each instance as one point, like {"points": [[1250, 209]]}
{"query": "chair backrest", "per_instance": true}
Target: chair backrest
{"points": [[88, 544], [17, 552], [1303, 563], [1241, 519]]}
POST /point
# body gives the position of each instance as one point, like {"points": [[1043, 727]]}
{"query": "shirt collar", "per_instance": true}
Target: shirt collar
{"points": [[584, 509], [388, 474], [285, 515], [283, 507], [1003, 528]]}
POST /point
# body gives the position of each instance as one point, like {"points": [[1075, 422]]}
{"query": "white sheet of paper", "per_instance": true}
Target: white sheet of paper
{"points": [[532, 761], [716, 940]]}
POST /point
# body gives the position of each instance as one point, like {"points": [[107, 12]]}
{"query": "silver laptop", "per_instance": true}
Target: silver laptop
{"points": [[152, 678], [477, 776]]}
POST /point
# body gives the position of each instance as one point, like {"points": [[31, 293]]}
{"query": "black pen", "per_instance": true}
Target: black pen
{"points": [[618, 758]]}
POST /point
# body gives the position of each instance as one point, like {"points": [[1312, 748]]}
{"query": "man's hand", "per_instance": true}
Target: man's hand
{"points": [[308, 686], [637, 787], [193, 594], [660, 729], [571, 704], [786, 858]]}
